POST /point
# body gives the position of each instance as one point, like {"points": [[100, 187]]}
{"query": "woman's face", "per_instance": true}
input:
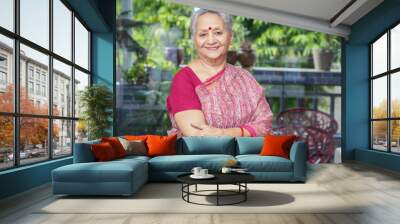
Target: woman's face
{"points": [[211, 39]]}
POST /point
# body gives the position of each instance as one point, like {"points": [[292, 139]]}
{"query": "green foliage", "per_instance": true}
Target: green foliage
{"points": [[170, 27], [272, 42], [314, 40], [96, 102]]}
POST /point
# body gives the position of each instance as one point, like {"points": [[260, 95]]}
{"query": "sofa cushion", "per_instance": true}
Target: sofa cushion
{"points": [[134, 147], [257, 163], [103, 152], [277, 145], [111, 171], [185, 163], [249, 145], [116, 145], [83, 152], [195, 145], [161, 145]]}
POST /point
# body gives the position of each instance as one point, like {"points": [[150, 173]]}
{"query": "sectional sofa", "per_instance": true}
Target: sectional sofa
{"points": [[125, 176]]}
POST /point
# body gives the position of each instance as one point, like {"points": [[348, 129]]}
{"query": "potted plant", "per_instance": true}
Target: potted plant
{"points": [[320, 45], [246, 56], [96, 103], [137, 74], [232, 57]]}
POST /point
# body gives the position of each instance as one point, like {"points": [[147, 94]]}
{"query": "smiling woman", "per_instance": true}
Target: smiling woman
{"points": [[211, 97]]}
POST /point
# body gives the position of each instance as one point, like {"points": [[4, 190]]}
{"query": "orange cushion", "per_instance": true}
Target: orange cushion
{"points": [[135, 137], [116, 145], [277, 145], [161, 145], [103, 151]]}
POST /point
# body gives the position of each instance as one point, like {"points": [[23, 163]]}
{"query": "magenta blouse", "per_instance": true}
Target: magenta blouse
{"points": [[182, 92]]}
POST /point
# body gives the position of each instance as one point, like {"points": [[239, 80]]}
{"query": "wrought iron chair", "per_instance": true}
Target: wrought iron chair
{"points": [[314, 127]]}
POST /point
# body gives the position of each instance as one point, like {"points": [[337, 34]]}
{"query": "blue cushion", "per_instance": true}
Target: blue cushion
{"points": [[196, 145], [83, 153], [185, 163], [249, 145], [257, 163]]}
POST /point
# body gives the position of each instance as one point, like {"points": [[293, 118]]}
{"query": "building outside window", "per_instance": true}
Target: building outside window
{"points": [[30, 72], [3, 78], [43, 77], [38, 89], [37, 75], [30, 87], [3, 61], [43, 90]]}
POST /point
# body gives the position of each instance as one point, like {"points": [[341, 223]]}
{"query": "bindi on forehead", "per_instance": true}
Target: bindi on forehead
{"points": [[211, 28]]}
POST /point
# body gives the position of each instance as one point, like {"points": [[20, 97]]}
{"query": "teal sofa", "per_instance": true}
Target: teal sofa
{"points": [[125, 176]]}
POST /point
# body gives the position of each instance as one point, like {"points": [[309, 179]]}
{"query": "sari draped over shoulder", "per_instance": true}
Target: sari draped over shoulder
{"points": [[231, 99]]}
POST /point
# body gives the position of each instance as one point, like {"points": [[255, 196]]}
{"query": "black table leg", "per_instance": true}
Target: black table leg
{"points": [[188, 189], [217, 194], [196, 188], [245, 193]]}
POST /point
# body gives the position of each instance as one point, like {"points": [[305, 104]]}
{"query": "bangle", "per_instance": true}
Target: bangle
{"points": [[241, 132]]}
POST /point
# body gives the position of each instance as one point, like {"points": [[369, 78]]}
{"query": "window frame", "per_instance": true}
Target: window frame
{"points": [[388, 74], [16, 114]]}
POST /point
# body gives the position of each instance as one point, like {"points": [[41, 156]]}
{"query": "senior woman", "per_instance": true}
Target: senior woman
{"points": [[210, 97]]}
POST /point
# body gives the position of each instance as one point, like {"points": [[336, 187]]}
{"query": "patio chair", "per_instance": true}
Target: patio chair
{"points": [[314, 127]]}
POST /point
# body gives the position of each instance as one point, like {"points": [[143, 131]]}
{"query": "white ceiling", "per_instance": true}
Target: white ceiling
{"points": [[315, 15]]}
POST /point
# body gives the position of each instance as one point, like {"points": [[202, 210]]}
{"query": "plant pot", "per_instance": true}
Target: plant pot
{"points": [[232, 57], [322, 59], [247, 58]]}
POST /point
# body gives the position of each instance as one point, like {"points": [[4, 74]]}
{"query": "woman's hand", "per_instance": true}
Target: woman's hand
{"points": [[206, 130]]}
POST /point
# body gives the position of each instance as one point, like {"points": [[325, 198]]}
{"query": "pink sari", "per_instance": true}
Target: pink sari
{"points": [[232, 99]]}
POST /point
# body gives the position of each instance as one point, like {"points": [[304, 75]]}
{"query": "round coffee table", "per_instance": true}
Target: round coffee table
{"points": [[238, 179]]}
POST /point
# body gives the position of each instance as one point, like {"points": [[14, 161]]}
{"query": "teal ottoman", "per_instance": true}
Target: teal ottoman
{"points": [[118, 177]]}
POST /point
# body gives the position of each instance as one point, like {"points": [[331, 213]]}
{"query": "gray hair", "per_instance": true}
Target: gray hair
{"points": [[225, 17]]}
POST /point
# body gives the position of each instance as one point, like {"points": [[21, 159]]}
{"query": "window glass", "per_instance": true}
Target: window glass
{"points": [[62, 91], [7, 14], [6, 142], [34, 21], [395, 47], [395, 95], [379, 56], [81, 45], [62, 141], [395, 136], [6, 74], [379, 135], [81, 82], [39, 62], [379, 98], [62, 29], [33, 140]]}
